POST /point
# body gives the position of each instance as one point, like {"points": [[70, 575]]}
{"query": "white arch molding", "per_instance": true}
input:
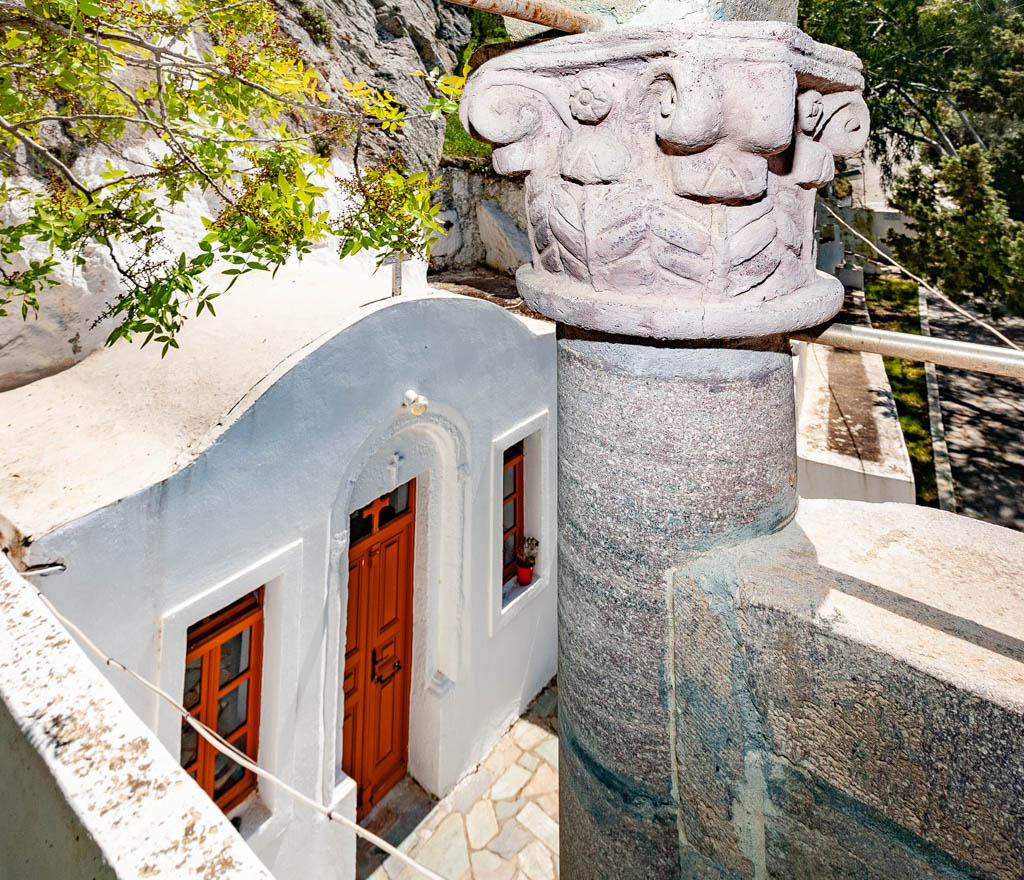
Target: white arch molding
{"points": [[432, 450]]}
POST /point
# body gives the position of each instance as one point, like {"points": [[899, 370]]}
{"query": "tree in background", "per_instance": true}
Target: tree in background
{"points": [[180, 97], [944, 81]]}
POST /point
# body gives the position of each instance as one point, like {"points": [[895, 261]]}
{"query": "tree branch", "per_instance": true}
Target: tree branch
{"points": [[40, 150]]}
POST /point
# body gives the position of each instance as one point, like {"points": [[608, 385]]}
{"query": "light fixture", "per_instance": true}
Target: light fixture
{"points": [[416, 402]]}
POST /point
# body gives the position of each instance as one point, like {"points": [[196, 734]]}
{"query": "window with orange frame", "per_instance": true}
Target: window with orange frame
{"points": [[223, 667], [512, 509]]}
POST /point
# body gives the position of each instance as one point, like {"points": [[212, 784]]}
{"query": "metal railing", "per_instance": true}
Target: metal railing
{"points": [[990, 359]]}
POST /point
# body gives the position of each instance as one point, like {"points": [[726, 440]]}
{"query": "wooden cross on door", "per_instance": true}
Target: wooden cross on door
{"points": [[373, 510]]}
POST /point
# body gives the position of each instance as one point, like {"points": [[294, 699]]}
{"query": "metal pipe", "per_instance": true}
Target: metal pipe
{"points": [[43, 570], [543, 12], [929, 349]]}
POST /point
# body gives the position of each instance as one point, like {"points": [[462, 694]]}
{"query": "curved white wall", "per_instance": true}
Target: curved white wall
{"points": [[268, 502]]}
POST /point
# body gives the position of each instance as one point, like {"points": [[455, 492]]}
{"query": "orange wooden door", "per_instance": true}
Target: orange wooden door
{"points": [[375, 733]]}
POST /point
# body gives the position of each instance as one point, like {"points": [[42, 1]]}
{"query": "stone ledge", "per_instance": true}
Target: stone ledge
{"points": [[850, 695], [90, 791]]}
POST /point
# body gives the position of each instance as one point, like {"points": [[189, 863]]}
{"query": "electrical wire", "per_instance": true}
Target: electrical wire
{"points": [[922, 282], [225, 748]]}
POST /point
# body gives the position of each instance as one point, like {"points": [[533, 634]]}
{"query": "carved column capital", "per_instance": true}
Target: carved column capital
{"points": [[672, 172]]}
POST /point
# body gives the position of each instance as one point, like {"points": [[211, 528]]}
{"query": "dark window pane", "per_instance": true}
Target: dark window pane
{"points": [[232, 709], [386, 515], [189, 744], [513, 451], [226, 772], [508, 517], [193, 680], [234, 656], [509, 550], [359, 526], [509, 482]]}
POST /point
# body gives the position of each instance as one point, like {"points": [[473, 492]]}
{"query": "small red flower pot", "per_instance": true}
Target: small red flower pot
{"points": [[524, 575]]}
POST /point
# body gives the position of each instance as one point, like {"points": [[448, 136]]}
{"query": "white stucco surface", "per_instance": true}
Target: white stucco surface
{"points": [[124, 417], [170, 489]]}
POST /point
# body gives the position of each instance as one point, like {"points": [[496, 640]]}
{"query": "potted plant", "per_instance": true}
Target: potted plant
{"points": [[526, 559]]}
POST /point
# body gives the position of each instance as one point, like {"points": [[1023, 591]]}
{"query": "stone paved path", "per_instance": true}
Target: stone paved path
{"points": [[984, 421], [501, 821]]}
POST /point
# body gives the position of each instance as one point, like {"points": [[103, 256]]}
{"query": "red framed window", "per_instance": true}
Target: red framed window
{"points": [[511, 509], [223, 667]]}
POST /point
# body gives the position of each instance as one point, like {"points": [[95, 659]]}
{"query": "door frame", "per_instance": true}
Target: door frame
{"points": [[403, 522], [431, 448]]}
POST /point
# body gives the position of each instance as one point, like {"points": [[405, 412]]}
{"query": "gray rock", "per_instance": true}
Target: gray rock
{"points": [[451, 242], [506, 246], [384, 44]]}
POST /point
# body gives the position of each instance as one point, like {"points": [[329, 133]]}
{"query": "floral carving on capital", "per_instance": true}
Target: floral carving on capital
{"points": [[672, 173]]}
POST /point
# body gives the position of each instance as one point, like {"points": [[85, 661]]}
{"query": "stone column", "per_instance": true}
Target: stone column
{"points": [[672, 176]]}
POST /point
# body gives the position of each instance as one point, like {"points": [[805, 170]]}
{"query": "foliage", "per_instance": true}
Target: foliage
{"points": [[944, 81], [893, 306], [486, 28], [526, 553], [458, 142], [317, 24], [389, 212], [226, 107], [965, 238]]}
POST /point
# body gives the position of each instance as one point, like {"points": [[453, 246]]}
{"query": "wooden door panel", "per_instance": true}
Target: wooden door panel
{"points": [[392, 583], [377, 658]]}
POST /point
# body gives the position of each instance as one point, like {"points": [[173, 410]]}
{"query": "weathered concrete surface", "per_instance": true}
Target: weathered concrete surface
{"points": [[663, 451], [853, 708], [849, 442], [87, 792]]}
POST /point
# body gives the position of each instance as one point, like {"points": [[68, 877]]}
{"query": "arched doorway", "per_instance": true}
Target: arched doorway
{"points": [[378, 654]]}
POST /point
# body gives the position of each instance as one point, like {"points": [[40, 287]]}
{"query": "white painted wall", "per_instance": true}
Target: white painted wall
{"points": [[268, 502]]}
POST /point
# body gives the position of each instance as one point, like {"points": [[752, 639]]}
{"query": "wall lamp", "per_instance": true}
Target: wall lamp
{"points": [[415, 402]]}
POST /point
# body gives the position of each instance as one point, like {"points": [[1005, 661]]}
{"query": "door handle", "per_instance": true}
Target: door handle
{"points": [[380, 679], [396, 666]]}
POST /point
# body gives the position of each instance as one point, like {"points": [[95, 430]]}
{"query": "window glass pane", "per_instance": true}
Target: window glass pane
{"points": [[400, 499], [232, 709], [509, 483], [359, 526], [189, 744], [193, 680], [386, 514], [508, 516], [234, 656], [226, 772], [509, 550]]}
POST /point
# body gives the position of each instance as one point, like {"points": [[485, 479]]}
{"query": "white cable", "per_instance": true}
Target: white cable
{"points": [[924, 283], [225, 748]]}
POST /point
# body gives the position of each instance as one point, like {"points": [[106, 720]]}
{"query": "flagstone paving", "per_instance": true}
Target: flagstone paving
{"points": [[501, 821]]}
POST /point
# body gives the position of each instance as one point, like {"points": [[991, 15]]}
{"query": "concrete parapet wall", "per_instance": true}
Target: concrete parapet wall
{"points": [[849, 698], [849, 441], [87, 790]]}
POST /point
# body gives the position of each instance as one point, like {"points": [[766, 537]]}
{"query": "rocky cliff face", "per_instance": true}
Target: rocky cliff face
{"points": [[383, 42], [380, 41]]}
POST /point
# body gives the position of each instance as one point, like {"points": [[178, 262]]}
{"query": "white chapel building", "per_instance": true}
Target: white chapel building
{"points": [[301, 525]]}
